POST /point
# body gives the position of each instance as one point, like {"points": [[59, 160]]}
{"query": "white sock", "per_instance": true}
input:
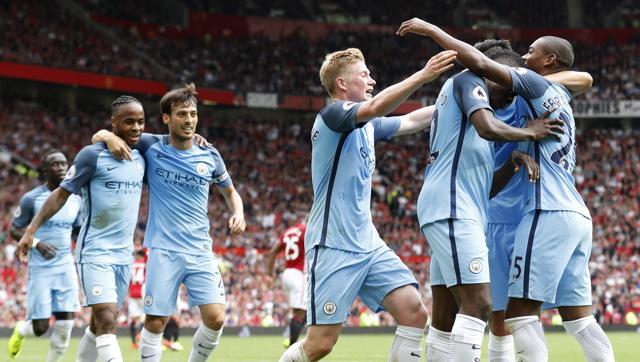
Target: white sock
{"points": [[439, 346], [528, 337], [150, 346], [59, 340], [87, 351], [295, 353], [204, 343], [594, 341], [501, 348], [108, 348], [406, 345], [27, 329], [467, 334]]}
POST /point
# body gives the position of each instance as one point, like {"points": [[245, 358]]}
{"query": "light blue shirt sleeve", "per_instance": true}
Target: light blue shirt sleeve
{"points": [[470, 91], [220, 176], [385, 127], [528, 83], [83, 168], [24, 213], [340, 116]]}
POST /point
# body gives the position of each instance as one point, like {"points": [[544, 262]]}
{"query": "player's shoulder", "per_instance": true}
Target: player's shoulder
{"points": [[91, 152], [209, 150], [337, 107], [34, 192], [465, 77]]}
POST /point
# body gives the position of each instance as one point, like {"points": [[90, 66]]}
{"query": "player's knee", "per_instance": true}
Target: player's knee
{"points": [[322, 348], [40, 327], [214, 322], [105, 321]]}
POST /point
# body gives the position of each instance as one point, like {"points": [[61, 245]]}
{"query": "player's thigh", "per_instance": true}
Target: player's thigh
{"points": [[39, 297], [165, 271], [386, 274], [98, 283], [460, 249], [334, 279], [500, 241], [65, 291], [545, 241], [203, 280], [574, 288], [295, 285]]}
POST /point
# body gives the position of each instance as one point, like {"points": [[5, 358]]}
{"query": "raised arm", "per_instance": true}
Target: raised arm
{"points": [[416, 121], [470, 57], [576, 82], [490, 128], [234, 203], [51, 206], [391, 97]]}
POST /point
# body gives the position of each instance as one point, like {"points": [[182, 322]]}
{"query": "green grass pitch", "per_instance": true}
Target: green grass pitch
{"points": [[363, 348]]}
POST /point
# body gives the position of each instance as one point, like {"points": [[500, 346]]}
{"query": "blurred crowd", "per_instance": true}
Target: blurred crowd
{"points": [[49, 36], [269, 161]]}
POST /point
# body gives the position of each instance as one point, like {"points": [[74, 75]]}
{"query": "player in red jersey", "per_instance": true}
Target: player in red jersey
{"points": [[136, 304], [294, 277]]}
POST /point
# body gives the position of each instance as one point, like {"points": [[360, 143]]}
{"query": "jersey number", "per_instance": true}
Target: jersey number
{"points": [[291, 249], [137, 275], [558, 156]]}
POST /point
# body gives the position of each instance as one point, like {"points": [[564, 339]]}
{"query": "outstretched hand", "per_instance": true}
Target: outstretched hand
{"points": [[438, 64], [416, 26], [544, 127]]}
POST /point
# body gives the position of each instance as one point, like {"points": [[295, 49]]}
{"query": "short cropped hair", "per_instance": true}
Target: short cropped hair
{"points": [[335, 63], [500, 51], [562, 48], [121, 101], [177, 97]]}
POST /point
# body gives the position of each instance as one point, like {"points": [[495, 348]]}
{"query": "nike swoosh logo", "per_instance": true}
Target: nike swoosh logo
{"points": [[201, 346], [111, 168], [149, 356], [158, 155], [415, 354], [475, 346]]}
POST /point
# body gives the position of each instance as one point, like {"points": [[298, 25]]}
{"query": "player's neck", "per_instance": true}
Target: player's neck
{"points": [[52, 186], [181, 144]]}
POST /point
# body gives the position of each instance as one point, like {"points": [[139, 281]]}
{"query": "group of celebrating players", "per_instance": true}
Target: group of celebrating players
{"points": [[509, 233]]}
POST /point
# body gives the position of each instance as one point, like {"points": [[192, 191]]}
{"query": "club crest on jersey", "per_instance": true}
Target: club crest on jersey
{"points": [[479, 93], [96, 291], [148, 300], [329, 308], [139, 167], [71, 172], [443, 99], [202, 168], [475, 266], [18, 212]]}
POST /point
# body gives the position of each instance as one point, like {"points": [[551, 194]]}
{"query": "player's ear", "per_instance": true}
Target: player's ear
{"points": [[341, 83], [166, 118], [550, 59]]}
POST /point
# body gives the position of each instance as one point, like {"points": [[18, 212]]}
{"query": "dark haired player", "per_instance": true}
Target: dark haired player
{"points": [[111, 191], [53, 285], [179, 174]]}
